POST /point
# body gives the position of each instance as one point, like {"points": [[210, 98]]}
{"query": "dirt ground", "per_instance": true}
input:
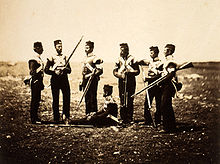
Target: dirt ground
{"points": [[196, 111]]}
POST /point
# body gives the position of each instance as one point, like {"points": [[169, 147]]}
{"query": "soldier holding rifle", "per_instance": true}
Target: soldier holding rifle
{"points": [[154, 72], [58, 67], [36, 71], [169, 87], [125, 70], [91, 73]]}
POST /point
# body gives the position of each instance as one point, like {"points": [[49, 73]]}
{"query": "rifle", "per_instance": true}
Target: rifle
{"points": [[87, 86], [73, 52], [148, 98], [125, 92], [184, 66]]}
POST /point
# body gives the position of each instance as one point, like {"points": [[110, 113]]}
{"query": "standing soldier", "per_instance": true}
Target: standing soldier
{"points": [[169, 87], [125, 70], [59, 81], [91, 73], [36, 71], [154, 72]]}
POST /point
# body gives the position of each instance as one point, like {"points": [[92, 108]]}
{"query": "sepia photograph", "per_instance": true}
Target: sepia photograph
{"points": [[109, 81]]}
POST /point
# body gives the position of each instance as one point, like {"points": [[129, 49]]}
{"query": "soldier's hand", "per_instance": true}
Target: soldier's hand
{"points": [[121, 75], [80, 86], [57, 71], [170, 69]]}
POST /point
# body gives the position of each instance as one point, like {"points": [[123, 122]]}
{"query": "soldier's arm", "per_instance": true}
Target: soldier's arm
{"points": [[99, 71], [32, 67], [143, 62], [136, 69], [115, 71], [47, 67], [67, 69]]}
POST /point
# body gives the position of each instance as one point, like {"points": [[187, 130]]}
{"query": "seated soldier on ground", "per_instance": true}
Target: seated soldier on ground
{"points": [[106, 116]]}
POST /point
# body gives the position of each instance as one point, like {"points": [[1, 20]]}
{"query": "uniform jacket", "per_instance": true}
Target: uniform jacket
{"points": [[90, 63], [36, 67], [172, 79], [154, 68], [56, 62], [128, 64]]}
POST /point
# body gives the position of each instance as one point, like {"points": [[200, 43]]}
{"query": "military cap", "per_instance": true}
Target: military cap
{"points": [[170, 46], [108, 88], [124, 45], [155, 49], [37, 44], [90, 43], [57, 42]]}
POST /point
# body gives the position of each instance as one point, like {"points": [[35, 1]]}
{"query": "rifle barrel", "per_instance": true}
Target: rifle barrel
{"points": [[184, 66], [150, 85], [73, 52]]}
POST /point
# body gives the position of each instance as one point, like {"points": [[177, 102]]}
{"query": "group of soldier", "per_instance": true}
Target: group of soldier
{"points": [[126, 69]]}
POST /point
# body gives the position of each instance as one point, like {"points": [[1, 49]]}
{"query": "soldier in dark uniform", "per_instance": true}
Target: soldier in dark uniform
{"points": [[154, 72], [36, 71], [125, 70], [59, 81], [106, 116], [91, 71], [169, 87]]}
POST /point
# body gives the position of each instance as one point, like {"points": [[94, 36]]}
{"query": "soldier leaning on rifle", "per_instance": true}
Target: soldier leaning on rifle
{"points": [[36, 71], [154, 72], [169, 87], [106, 116], [125, 70], [91, 71], [59, 81]]}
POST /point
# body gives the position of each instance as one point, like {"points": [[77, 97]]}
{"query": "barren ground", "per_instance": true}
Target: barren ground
{"points": [[196, 111]]}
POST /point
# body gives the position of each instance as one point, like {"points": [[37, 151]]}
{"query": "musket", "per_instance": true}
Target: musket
{"points": [[184, 66], [147, 93], [148, 97], [73, 52], [87, 87], [125, 91]]}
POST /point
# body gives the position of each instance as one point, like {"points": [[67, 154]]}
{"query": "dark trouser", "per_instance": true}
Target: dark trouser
{"points": [[100, 118], [169, 122], [153, 92], [126, 110], [91, 97], [35, 101], [63, 85]]}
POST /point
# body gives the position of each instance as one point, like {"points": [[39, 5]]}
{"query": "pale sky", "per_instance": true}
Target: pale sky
{"points": [[192, 25]]}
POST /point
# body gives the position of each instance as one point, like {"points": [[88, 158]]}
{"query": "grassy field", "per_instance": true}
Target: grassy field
{"points": [[196, 111]]}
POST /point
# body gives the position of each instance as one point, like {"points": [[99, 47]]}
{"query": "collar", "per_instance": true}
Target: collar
{"points": [[169, 57], [59, 54], [36, 56], [90, 54], [155, 59]]}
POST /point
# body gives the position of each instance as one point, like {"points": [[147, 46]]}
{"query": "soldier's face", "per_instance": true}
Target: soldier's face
{"points": [[153, 54], [167, 51], [58, 48], [39, 50], [124, 51], [88, 49]]}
